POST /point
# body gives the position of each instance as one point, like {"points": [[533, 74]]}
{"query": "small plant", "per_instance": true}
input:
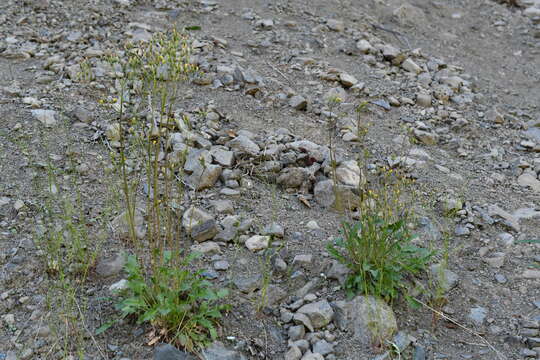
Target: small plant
{"points": [[379, 254], [179, 303]]}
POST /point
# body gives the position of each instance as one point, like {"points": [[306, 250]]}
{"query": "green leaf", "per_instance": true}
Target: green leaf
{"points": [[192, 28], [104, 327]]}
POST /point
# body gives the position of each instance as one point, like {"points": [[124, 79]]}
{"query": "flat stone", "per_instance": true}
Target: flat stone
{"points": [[335, 25], [411, 66], [529, 180], [509, 219], [477, 315], [46, 117], [207, 247], [531, 274], [218, 351], [257, 242], [244, 144], [222, 156], [169, 352], [323, 347], [223, 206], [347, 80], [423, 99]]}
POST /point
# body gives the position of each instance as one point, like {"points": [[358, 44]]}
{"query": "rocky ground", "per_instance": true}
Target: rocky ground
{"points": [[453, 89]]}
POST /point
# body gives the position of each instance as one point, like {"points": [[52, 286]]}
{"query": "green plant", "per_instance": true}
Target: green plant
{"points": [[379, 254], [178, 302], [162, 287]]}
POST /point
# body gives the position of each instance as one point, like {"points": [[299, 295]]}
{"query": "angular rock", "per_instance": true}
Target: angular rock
{"points": [[200, 225], [298, 102], [325, 195], [257, 242], [121, 224], [218, 351], [347, 80], [444, 278], [367, 318], [204, 177], [320, 313], [222, 156], [244, 145], [46, 117], [348, 173], [293, 353], [409, 65], [292, 177], [303, 319], [335, 25], [169, 352]]}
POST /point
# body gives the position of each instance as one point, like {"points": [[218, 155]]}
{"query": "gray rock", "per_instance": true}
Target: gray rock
{"points": [[245, 145], [477, 315], [426, 137], [389, 52], [169, 352], [274, 295], [312, 356], [303, 319], [338, 271], [423, 99], [274, 229], [298, 102], [323, 347], [218, 351], [411, 66], [335, 25], [320, 313], [325, 195], [461, 230], [364, 46], [197, 158], [368, 318], [293, 177], [121, 224], [83, 115], [257, 242], [419, 352], [444, 278], [247, 284], [221, 265], [223, 206], [348, 173], [110, 267], [303, 259], [347, 80], [222, 156], [204, 177], [293, 353], [46, 117], [199, 224], [296, 332]]}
